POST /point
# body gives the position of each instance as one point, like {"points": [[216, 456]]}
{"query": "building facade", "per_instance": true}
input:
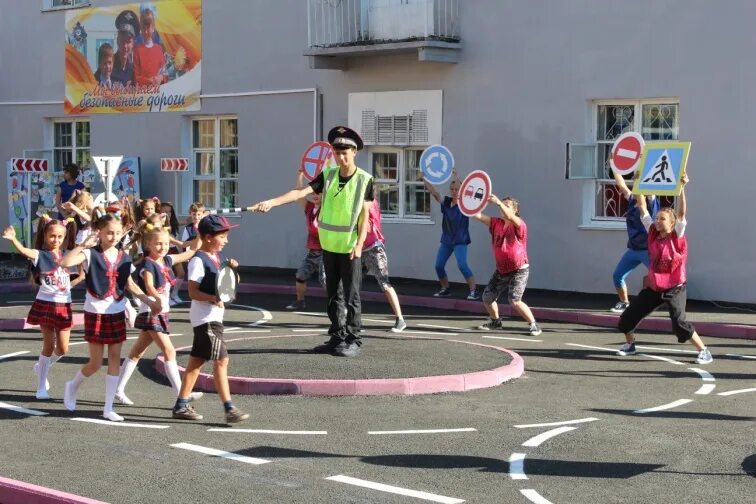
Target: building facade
{"points": [[505, 85]]}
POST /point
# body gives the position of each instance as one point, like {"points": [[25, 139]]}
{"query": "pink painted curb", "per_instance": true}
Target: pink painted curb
{"points": [[18, 492], [383, 386]]}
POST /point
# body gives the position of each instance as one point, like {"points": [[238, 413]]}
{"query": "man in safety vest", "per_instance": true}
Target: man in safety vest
{"points": [[346, 194]]}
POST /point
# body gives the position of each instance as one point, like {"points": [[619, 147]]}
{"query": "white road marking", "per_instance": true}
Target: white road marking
{"points": [[741, 356], [534, 496], [658, 349], [554, 424], [8, 356], [705, 375], [514, 339], [663, 407], [426, 431], [310, 330], [264, 431], [77, 343], [119, 424], [394, 489], [433, 326], [378, 321], [517, 466], [311, 314], [220, 453], [613, 350], [733, 392], [540, 438], [431, 332], [665, 359], [266, 315], [706, 388], [250, 331], [19, 409], [30, 301]]}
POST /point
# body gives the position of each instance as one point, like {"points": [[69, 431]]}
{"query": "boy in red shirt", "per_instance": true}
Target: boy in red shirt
{"points": [[509, 236]]}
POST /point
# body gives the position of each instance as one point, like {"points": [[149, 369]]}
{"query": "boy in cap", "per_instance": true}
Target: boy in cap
{"points": [[346, 195], [206, 316]]}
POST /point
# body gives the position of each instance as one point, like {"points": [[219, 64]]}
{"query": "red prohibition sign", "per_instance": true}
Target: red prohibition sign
{"points": [[314, 159], [474, 193], [626, 153]]}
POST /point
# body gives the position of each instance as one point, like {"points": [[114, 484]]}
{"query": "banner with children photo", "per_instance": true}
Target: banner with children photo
{"points": [[139, 57]]}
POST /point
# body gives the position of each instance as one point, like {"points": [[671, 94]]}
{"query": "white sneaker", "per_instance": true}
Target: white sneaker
{"points": [[69, 396], [619, 307], [36, 372], [112, 416], [42, 394], [399, 326], [534, 329], [123, 399], [193, 396], [704, 357], [627, 349]]}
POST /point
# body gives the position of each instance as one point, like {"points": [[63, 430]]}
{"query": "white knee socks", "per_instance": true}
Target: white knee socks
{"points": [[43, 365], [172, 372], [111, 384], [71, 389]]}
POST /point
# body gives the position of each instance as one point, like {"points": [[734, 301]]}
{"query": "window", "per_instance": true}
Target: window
{"points": [[71, 144], [399, 184], [64, 4], [215, 160], [655, 120]]}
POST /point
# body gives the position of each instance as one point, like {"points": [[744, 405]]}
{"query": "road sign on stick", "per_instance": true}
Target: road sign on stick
{"points": [[437, 163], [661, 168], [174, 164], [626, 153], [474, 193], [316, 157]]}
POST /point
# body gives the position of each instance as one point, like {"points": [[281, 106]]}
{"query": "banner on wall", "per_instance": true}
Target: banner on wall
{"points": [[32, 194], [137, 57]]}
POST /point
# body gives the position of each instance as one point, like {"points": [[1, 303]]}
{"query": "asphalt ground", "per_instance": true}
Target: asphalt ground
{"points": [[659, 431]]}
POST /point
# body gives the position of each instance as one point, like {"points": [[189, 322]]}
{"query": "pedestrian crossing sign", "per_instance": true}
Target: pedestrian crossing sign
{"points": [[662, 166]]}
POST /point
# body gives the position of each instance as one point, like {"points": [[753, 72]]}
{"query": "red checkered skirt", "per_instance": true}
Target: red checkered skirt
{"points": [[48, 313], [146, 322], [105, 328]]}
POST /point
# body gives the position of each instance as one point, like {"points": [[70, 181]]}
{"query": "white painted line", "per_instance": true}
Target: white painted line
{"points": [[431, 332], [514, 339], [733, 392], [310, 330], [311, 314], [433, 326], [517, 466], [706, 388], [250, 331], [659, 349], [534, 496], [77, 343], [554, 424], [8, 356], [741, 356], [540, 438], [613, 350], [220, 453], [705, 375], [663, 407], [379, 321], [665, 359], [264, 431], [394, 489], [19, 409], [426, 431], [266, 315], [30, 301], [627, 153], [119, 424]]}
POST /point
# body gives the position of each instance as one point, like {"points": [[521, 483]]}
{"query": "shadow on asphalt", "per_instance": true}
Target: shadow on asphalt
{"points": [[695, 415]]}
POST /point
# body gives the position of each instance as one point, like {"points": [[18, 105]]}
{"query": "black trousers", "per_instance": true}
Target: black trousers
{"points": [[649, 300], [345, 272]]}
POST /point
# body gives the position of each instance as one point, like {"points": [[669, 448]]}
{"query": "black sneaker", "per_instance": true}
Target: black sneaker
{"points": [[328, 346], [235, 415], [347, 349], [186, 413], [443, 293], [491, 325], [297, 305]]}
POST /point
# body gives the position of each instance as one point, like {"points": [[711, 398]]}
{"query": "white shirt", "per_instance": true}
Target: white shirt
{"points": [[201, 312], [106, 305], [680, 224], [55, 288]]}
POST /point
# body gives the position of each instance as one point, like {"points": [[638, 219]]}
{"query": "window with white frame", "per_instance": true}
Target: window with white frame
{"points": [[399, 183], [64, 4], [215, 161], [71, 143], [655, 120]]}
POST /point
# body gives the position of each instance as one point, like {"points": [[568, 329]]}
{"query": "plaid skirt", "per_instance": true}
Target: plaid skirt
{"points": [[105, 328], [146, 322], [48, 313]]}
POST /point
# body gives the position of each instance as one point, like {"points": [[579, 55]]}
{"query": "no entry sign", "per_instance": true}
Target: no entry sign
{"points": [[626, 153], [474, 193], [315, 158]]}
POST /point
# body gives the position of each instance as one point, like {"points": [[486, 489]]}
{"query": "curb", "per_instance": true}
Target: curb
{"points": [[18, 492], [709, 329], [381, 386]]}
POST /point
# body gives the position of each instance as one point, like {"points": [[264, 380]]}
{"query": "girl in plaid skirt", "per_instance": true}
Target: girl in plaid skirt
{"points": [[108, 275], [155, 277], [51, 310]]}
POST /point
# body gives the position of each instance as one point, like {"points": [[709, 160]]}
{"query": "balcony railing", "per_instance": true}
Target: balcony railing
{"points": [[344, 23]]}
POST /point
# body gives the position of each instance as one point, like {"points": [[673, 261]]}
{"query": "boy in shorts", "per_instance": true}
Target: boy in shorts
{"points": [[206, 316]]}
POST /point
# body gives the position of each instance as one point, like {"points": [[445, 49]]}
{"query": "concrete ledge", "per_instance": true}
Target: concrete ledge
{"points": [[18, 492], [383, 386]]}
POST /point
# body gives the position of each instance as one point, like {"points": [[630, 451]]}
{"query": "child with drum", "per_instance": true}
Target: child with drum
{"points": [[206, 316]]}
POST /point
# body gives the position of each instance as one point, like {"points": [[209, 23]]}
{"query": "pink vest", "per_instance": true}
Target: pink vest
{"points": [[667, 257], [375, 233]]}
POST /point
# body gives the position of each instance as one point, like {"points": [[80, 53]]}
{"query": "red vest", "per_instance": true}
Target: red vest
{"points": [[667, 257]]}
